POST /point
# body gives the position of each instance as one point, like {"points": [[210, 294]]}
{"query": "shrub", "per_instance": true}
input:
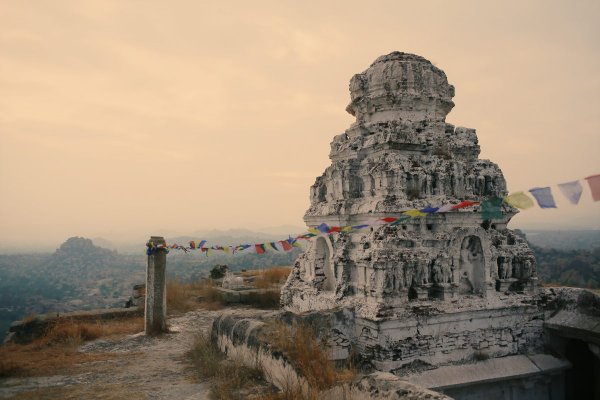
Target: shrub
{"points": [[218, 271]]}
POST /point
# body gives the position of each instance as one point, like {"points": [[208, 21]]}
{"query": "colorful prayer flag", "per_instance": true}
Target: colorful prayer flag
{"points": [[463, 204], [445, 208], [543, 196], [201, 244], [519, 200], [260, 248], [335, 229], [388, 219], [274, 246], [414, 213], [357, 227], [314, 231], [594, 182], [491, 208], [286, 245], [571, 190], [429, 210], [400, 220], [192, 244], [323, 228]]}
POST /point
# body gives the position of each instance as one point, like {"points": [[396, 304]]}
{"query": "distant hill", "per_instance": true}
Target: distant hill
{"points": [[80, 275]]}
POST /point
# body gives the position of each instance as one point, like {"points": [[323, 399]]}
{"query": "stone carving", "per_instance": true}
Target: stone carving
{"points": [[402, 154]]}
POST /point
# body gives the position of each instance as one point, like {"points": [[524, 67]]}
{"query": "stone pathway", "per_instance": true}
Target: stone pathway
{"points": [[146, 368]]}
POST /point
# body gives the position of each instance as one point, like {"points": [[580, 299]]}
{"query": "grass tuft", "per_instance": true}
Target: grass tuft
{"points": [[230, 378], [308, 354]]}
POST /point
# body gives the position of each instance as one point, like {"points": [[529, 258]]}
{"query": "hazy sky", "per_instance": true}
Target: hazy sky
{"points": [[131, 118]]}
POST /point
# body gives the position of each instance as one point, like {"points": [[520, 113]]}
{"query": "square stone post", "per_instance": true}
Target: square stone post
{"points": [[155, 311]]}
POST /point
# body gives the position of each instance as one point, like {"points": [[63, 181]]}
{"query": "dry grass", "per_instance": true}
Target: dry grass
{"points": [[269, 278], [57, 349], [230, 378], [308, 354], [182, 297], [205, 356]]}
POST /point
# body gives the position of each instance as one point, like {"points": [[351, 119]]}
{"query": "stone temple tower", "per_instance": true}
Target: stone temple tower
{"points": [[401, 154]]}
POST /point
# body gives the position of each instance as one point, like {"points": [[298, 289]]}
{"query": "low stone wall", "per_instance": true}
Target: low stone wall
{"points": [[29, 329], [239, 338]]}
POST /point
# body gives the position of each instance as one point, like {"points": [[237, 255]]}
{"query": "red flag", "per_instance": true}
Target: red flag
{"points": [[388, 219], [463, 204], [260, 248], [286, 245], [192, 244], [594, 182], [335, 229]]}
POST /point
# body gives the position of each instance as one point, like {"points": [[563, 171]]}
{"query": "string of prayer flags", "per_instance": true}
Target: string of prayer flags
{"points": [[594, 183], [519, 200], [571, 190], [492, 208], [543, 196]]}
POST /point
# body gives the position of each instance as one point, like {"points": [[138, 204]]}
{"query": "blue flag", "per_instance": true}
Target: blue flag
{"points": [[544, 197], [323, 228]]}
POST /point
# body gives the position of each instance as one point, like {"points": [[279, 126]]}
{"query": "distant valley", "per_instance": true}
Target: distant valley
{"points": [[82, 274]]}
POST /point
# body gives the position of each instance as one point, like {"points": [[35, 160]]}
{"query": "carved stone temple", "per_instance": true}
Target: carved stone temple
{"points": [[401, 154], [448, 301]]}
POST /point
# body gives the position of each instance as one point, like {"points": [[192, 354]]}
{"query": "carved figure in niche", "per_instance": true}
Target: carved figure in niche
{"points": [[472, 265], [409, 273], [423, 272], [436, 272], [526, 269], [398, 277], [503, 270], [373, 280], [388, 282], [446, 268]]}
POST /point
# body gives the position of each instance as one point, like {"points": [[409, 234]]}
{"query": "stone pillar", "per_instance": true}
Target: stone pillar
{"points": [[155, 312]]}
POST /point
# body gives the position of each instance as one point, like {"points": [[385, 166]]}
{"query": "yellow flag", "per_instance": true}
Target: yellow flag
{"points": [[347, 228], [226, 249], [519, 200], [315, 231], [414, 213]]}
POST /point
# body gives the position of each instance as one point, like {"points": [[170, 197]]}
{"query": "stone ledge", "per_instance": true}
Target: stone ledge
{"points": [[488, 371]]}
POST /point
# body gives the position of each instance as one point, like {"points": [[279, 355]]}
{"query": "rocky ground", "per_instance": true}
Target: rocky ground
{"points": [[143, 367]]}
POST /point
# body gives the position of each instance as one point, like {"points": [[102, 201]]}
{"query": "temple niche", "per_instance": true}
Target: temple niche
{"points": [[401, 154]]}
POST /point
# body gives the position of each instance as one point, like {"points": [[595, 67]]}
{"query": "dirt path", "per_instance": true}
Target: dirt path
{"points": [[145, 368]]}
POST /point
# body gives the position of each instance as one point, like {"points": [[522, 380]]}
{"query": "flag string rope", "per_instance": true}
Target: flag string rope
{"points": [[490, 209]]}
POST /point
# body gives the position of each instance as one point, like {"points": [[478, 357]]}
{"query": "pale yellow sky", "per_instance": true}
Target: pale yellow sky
{"points": [[130, 118]]}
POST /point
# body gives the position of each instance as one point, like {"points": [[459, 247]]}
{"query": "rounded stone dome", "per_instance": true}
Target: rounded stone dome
{"points": [[400, 86]]}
